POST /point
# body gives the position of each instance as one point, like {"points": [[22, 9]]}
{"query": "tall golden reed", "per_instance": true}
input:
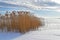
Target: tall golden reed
{"points": [[23, 22]]}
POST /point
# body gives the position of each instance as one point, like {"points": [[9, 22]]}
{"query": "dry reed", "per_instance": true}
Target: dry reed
{"points": [[23, 22]]}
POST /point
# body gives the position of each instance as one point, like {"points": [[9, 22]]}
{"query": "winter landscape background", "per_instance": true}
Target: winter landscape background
{"points": [[49, 10]]}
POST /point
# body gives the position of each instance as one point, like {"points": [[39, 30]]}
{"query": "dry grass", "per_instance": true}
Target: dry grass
{"points": [[23, 22]]}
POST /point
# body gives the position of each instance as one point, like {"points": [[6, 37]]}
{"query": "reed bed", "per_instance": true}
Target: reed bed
{"points": [[21, 21]]}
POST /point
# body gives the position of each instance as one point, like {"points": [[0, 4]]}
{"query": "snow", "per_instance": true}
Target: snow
{"points": [[8, 35], [50, 31], [41, 35]]}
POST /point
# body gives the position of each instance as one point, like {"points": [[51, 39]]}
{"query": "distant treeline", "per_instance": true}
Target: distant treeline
{"points": [[20, 21]]}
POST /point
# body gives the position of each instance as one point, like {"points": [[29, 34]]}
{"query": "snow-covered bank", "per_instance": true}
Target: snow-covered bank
{"points": [[41, 35], [51, 31]]}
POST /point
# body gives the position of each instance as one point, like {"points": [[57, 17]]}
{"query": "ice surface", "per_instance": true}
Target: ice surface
{"points": [[51, 31]]}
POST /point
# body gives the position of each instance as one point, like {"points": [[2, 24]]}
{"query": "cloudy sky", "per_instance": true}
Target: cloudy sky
{"points": [[47, 8]]}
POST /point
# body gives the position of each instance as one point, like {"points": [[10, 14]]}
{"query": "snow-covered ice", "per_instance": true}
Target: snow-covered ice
{"points": [[51, 31]]}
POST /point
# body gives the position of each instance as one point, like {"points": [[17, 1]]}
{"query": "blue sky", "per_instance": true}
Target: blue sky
{"points": [[46, 8]]}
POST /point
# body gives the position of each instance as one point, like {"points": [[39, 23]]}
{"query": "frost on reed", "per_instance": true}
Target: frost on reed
{"points": [[21, 21]]}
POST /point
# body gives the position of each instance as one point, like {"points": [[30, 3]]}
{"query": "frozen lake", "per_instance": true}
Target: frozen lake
{"points": [[52, 23]]}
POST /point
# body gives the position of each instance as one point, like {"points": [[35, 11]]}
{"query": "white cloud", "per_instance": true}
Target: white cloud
{"points": [[36, 5], [57, 1]]}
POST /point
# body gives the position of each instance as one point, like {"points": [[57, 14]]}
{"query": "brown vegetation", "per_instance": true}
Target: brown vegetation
{"points": [[23, 22]]}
